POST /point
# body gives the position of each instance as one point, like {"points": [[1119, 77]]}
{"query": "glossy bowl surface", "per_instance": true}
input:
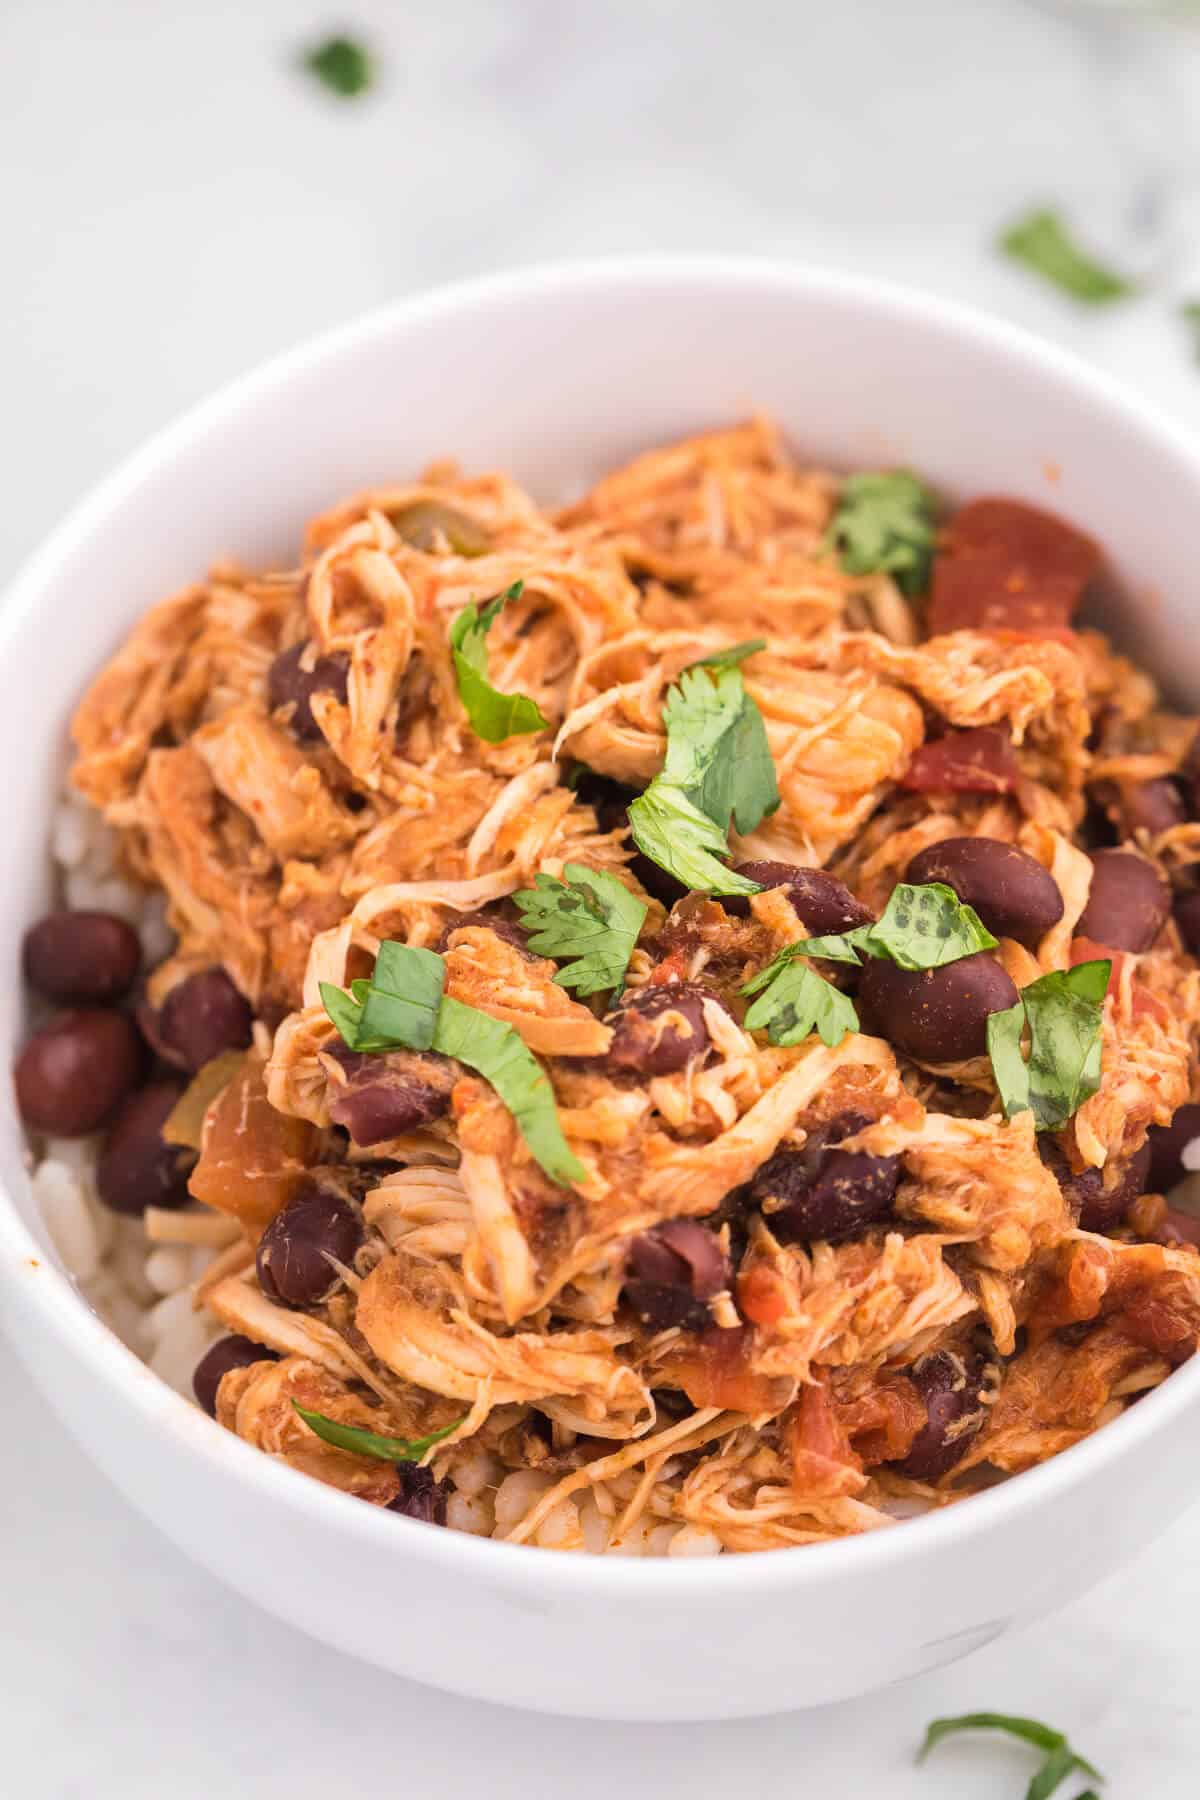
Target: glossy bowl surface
{"points": [[557, 374]]}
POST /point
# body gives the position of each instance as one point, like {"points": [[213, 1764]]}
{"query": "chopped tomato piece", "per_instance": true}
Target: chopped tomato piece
{"points": [[1006, 565], [883, 1422], [714, 1371], [1150, 1319], [979, 761], [760, 1295], [252, 1158], [822, 1460]]}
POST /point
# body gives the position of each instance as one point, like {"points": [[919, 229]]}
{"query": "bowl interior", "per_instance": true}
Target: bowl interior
{"points": [[557, 376]]}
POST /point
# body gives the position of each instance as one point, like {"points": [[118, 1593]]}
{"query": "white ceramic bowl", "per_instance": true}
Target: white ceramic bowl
{"points": [[557, 374]]}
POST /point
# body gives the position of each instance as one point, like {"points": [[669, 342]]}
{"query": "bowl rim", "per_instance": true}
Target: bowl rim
{"points": [[52, 1294]]}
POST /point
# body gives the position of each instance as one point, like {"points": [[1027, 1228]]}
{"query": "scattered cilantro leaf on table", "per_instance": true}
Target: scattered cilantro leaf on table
{"points": [[342, 65], [1059, 1761], [1042, 241]]}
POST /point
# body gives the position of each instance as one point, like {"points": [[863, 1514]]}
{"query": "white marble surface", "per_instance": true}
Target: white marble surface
{"points": [[177, 204]]}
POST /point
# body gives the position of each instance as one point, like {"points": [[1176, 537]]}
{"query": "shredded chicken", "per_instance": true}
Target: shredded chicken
{"points": [[677, 1339]]}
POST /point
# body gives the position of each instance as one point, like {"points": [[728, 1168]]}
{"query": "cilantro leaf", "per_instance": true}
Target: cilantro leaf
{"points": [[1059, 1762], [341, 65], [717, 770], [493, 716], [885, 522], [371, 1443], [398, 1005], [674, 833], [403, 1007], [796, 1001], [499, 1054], [592, 917], [1042, 241], [924, 926], [730, 657], [1064, 1012]]}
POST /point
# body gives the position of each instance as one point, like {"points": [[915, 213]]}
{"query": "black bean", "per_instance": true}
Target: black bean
{"points": [[1097, 1206], [138, 1167], [1167, 1145], [820, 1191], [673, 1270], [500, 916], [293, 1253], [1013, 895], [950, 1386], [227, 1353], [291, 682], [420, 1496], [426, 523], [386, 1096], [936, 1015], [1152, 806], [74, 1073], [659, 1029], [1187, 917], [1128, 902], [203, 1015], [823, 904], [82, 956]]}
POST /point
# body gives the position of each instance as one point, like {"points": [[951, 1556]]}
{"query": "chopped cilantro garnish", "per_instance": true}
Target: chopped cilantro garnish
{"points": [[1042, 241], [731, 656], [407, 1010], [1064, 1012], [342, 65], [590, 920], [884, 522], [717, 771], [493, 716], [796, 1001], [371, 1443], [923, 927], [1059, 1759]]}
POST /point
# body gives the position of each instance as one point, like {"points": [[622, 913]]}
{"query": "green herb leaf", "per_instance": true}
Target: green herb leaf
{"points": [[681, 839], [924, 927], [717, 771], [729, 658], [499, 1054], [1065, 1012], [397, 1006], [885, 522], [1189, 312], [1042, 241], [342, 65], [717, 751], [493, 716], [412, 1013], [1060, 1760], [796, 1001], [371, 1443], [591, 917]]}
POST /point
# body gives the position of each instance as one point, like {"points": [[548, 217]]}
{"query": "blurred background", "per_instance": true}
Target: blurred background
{"points": [[184, 195]]}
